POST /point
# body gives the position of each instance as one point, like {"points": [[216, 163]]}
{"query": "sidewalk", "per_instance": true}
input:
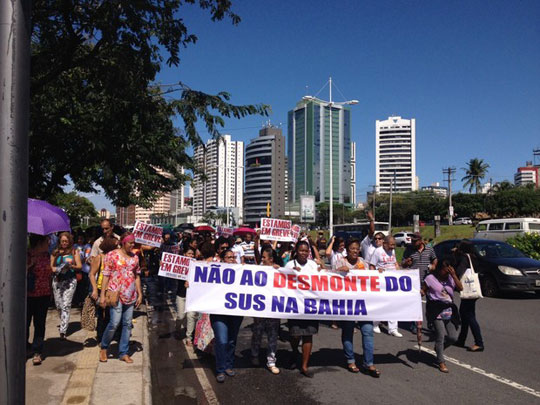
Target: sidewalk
{"points": [[72, 374]]}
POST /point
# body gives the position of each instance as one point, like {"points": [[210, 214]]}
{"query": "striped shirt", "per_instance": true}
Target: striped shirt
{"points": [[420, 260]]}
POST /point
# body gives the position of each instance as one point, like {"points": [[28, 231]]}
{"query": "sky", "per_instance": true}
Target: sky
{"points": [[467, 71]]}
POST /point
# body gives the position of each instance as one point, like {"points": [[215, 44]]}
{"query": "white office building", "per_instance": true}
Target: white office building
{"points": [[395, 155], [222, 162]]}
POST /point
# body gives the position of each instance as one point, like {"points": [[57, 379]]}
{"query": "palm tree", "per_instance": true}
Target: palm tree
{"points": [[475, 172]]}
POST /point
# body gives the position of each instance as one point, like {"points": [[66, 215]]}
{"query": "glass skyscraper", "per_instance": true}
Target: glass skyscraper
{"points": [[308, 151]]}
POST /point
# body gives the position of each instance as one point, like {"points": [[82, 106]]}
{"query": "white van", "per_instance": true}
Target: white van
{"points": [[502, 229]]}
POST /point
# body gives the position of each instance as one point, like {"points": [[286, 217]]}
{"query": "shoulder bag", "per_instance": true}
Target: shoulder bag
{"points": [[471, 284]]}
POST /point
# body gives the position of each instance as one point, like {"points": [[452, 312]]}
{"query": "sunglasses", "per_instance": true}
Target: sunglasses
{"points": [[378, 238]]}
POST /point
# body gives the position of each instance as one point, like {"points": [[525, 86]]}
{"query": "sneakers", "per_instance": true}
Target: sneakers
{"points": [[376, 329], [395, 333], [220, 378]]}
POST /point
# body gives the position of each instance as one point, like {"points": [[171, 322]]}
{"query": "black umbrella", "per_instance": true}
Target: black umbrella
{"points": [[183, 227]]}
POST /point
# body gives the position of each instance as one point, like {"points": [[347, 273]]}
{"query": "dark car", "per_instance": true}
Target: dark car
{"points": [[500, 267]]}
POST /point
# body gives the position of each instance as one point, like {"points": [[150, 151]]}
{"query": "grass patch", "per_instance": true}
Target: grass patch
{"points": [[447, 232]]}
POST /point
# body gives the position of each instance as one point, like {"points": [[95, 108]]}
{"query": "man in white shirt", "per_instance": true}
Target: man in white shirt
{"points": [[107, 229], [372, 240], [238, 250], [384, 258]]}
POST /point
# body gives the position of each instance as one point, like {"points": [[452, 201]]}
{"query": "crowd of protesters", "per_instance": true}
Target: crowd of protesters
{"points": [[112, 269]]}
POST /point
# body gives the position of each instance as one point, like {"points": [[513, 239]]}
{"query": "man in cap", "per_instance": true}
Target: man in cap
{"points": [[419, 256]]}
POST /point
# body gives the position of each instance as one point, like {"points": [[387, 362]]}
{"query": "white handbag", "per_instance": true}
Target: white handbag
{"points": [[471, 284]]}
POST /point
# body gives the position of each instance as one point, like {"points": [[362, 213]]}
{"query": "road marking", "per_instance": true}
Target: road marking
{"points": [[480, 371], [208, 391]]}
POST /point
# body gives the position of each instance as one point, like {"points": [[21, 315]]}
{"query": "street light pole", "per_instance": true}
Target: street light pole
{"points": [[15, 30]]}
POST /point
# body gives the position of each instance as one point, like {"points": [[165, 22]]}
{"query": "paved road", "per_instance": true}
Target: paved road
{"points": [[507, 372]]}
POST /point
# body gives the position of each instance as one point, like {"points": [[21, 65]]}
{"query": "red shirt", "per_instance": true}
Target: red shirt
{"points": [[42, 272]]}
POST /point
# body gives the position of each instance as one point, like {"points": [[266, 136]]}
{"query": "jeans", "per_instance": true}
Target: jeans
{"points": [[152, 286], [347, 333], [124, 313], [36, 309], [467, 312], [271, 327], [444, 328], [191, 317], [226, 328]]}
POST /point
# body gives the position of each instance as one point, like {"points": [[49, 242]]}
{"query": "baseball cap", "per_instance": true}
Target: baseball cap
{"points": [[416, 236]]}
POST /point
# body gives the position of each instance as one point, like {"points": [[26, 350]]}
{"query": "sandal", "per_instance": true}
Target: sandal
{"points": [[36, 360], [373, 372], [306, 373], [274, 370], [475, 348], [103, 356], [443, 368], [352, 368]]}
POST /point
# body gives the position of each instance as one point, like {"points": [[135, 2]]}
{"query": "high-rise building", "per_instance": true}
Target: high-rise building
{"points": [[527, 174], [127, 216], [353, 173], [309, 147], [221, 161], [164, 204], [265, 175], [395, 155]]}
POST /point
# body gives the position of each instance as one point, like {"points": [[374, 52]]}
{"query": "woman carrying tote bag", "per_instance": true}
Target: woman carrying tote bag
{"points": [[465, 259]]}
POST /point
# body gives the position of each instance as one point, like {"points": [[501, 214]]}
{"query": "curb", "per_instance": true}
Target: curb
{"points": [[147, 375]]}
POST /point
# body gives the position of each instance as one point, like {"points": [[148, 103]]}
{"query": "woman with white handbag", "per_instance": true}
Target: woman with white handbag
{"points": [[465, 258]]}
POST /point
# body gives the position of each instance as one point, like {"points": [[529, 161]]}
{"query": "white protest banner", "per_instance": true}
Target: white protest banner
{"points": [[222, 231], [260, 291], [276, 229], [147, 234], [174, 266]]}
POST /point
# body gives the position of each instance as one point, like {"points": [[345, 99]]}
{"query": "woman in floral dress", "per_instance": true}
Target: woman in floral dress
{"points": [[121, 273]]}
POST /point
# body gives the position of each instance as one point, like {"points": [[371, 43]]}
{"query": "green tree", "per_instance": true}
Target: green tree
{"points": [[476, 170], [468, 205], [97, 114], [77, 207]]}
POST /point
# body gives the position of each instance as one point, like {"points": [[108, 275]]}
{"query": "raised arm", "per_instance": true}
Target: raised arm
{"points": [[330, 246], [371, 229]]}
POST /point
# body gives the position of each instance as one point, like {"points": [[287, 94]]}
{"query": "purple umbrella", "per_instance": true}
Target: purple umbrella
{"points": [[44, 218]]}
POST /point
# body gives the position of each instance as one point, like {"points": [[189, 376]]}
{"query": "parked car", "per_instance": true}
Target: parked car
{"points": [[463, 221], [500, 267], [402, 238], [502, 229]]}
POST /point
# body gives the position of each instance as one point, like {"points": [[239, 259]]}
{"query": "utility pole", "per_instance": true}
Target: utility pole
{"points": [[392, 188], [14, 127], [390, 205], [449, 172]]}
